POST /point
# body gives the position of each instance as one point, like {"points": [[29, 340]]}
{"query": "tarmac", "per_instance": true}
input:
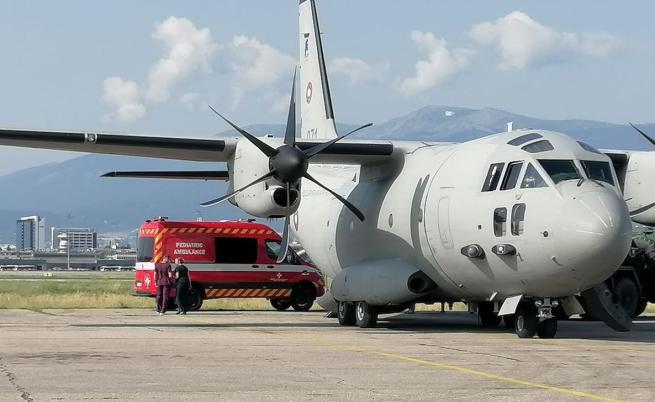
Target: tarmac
{"points": [[76, 355]]}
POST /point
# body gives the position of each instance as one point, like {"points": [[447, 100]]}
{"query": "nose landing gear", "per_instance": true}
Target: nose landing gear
{"points": [[536, 318]]}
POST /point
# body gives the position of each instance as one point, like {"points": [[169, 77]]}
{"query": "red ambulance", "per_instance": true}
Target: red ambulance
{"points": [[227, 259]]}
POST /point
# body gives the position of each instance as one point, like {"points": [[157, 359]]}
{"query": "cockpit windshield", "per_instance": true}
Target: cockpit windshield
{"points": [[532, 178], [598, 170], [560, 169]]}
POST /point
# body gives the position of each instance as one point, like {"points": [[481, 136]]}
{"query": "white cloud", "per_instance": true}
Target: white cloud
{"points": [[187, 50], [441, 64], [524, 42], [124, 96], [195, 101], [356, 69], [257, 66]]}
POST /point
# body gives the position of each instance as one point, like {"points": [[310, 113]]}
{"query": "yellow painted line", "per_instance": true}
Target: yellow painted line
{"points": [[465, 370]]}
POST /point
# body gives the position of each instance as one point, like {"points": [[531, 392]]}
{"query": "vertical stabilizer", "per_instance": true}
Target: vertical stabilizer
{"points": [[317, 116]]}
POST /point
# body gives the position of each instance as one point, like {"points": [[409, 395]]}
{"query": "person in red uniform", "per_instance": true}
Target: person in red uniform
{"points": [[164, 280]]}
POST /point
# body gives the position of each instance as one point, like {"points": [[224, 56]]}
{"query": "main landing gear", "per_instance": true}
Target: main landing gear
{"points": [[360, 314]]}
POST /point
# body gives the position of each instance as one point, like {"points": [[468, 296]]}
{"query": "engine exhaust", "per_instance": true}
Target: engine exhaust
{"points": [[420, 283]]}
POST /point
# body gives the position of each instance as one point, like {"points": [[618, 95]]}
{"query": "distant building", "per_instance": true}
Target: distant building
{"points": [[30, 233], [80, 239]]}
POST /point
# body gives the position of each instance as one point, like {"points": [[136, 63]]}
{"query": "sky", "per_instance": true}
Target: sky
{"points": [[152, 66]]}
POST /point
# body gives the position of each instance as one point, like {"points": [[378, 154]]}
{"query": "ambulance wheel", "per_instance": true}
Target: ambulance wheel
{"points": [[281, 304], [488, 318], [526, 321], [366, 316], [196, 297], [547, 328], [346, 314], [302, 297]]}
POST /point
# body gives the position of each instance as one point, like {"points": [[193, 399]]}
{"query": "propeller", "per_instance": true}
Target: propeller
{"points": [[646, 136], [288, 164]]}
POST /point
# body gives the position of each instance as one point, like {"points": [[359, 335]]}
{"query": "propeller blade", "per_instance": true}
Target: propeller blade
{"points": [[290, 134], [284, 245], [345, 202], [264, 147], [322, 147], [225, 197], [646, 136]]}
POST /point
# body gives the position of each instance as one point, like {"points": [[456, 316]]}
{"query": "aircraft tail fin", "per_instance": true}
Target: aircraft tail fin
{"points": [[317, 115]]}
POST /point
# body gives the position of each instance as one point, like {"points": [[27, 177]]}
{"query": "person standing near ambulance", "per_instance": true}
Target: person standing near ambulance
{"points": [[164, 280], [182, 286]]}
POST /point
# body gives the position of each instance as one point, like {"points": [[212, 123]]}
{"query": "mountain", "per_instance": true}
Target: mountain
{"points": [[71, 193], [455, 124]]}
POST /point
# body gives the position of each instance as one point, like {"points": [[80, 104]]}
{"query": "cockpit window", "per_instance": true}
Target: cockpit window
{"points": [[598, 170], [493, 177], [539, 146], [532, 178], [524, 138], [560, 169], [511, 175], [588, 147]]}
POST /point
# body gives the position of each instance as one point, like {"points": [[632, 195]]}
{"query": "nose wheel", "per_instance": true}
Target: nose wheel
{"points": [[527, 322]]}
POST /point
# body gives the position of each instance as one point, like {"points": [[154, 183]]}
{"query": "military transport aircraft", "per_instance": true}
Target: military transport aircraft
{"points": [[516, 224]]}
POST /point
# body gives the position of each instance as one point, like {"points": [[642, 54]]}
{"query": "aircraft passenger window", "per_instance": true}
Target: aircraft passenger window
{"points": [[236, 250], [511, 175], [518, 218], [560, 169], [493, 177], [500, 222], [145, 249], [598, 170], [589, 148], [532, 178], [273, 247], [539, 146], [524, 138]]}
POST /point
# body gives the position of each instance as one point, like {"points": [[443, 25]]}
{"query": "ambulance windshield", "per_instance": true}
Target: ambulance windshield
{"points": [[144, 249]]}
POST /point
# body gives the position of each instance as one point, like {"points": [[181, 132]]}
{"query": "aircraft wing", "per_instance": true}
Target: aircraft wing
{"points": [[190, 149]]}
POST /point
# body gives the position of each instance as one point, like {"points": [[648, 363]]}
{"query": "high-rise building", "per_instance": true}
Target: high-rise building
{"points": [[79, 239], [30, 233]]}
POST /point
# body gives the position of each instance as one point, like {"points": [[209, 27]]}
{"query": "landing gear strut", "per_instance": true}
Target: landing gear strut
{"points": [[488, 317]]}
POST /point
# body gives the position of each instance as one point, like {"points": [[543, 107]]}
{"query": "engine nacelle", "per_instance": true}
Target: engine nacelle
{"points": [[381, 283], [639, 187], [266, 199]]}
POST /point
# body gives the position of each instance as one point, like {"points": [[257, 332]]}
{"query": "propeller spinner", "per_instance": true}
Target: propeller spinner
{"points": [[288, 164]]}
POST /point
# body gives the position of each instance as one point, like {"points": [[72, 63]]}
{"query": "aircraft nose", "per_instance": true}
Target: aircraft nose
{"points": [[594, 234]]}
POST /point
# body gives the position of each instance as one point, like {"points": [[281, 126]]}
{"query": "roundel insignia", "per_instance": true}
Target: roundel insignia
{"points": [[308, 93]]}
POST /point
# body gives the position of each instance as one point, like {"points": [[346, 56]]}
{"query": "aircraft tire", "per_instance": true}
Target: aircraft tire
{"points": [[488, 318], [281, 304], [627, 294], [346, 314], [526, 321], [547, 328], [366, 316]]}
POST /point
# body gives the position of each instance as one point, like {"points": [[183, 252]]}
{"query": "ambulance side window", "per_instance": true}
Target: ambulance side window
{"points": [[236, 250], [272, 248], [145, 248]]}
